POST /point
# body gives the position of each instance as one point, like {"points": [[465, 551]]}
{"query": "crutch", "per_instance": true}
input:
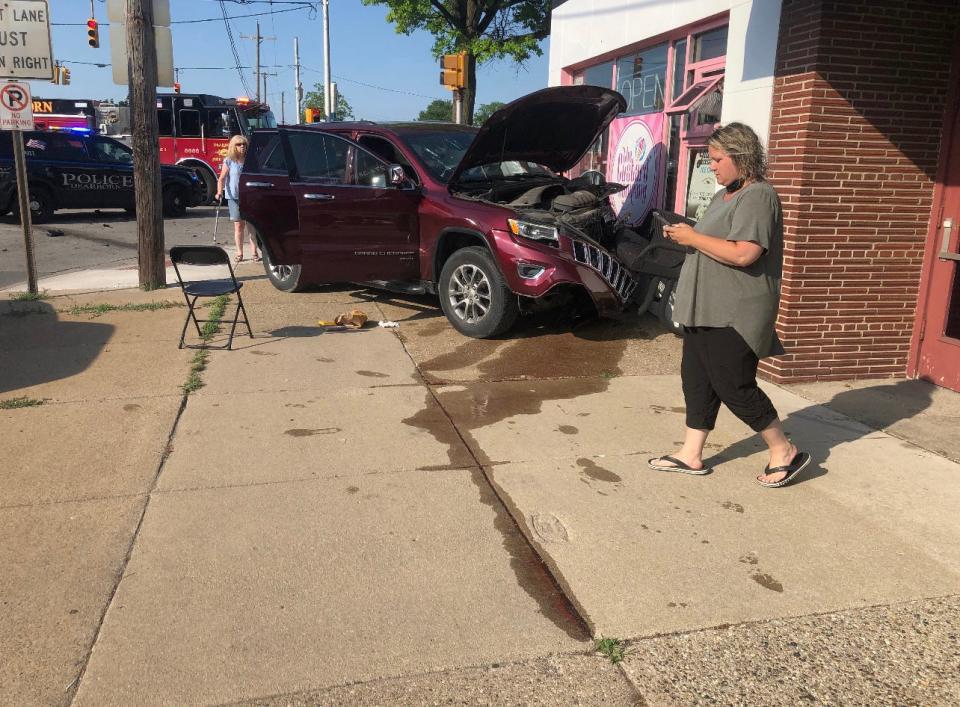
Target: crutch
{"points": [[216, 220]]}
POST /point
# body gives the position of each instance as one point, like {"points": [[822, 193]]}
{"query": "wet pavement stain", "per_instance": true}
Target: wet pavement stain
{"points": [[591, 469], [310, 433], [568, 429], [373, 374], [532, 575], [263, 353], [583, 414], [353, 489], [324, 359], [767, 582], [658, 409], [131, 407], [294, 405], [731, 506], [750, 558], [433, 328]]}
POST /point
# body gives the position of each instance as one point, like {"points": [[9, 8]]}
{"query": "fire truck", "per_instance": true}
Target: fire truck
{"points": [[196, 128], [63, 114]]}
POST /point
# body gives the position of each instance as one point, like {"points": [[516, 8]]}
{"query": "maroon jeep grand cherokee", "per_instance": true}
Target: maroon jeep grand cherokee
{"points": [[480, 218]]}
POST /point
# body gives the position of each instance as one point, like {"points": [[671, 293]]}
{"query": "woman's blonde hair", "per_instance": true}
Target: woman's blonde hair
{"points": [[232, 152], [741, 144]]}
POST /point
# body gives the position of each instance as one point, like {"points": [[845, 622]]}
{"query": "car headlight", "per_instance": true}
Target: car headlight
{"points": [[534, 231]]}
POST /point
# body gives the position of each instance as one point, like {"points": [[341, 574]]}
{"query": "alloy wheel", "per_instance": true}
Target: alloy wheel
{"points": [[469, 293], [281, 272]]}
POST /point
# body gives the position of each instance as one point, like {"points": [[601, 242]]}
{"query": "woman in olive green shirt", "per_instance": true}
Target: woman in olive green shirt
{"points": [[727, 299]]}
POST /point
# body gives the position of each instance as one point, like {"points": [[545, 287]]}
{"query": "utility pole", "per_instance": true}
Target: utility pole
{"points": [[283, 115], [142, 54], [328, 106], [258, 38], [298, 87], [266, 98]]}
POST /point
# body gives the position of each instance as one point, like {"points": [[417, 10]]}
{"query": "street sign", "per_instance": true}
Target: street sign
{"points": [[16, 107], [25, 40]]}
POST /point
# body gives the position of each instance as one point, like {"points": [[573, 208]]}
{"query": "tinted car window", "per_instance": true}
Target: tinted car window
{"points": [[60, 147], [111, 150], [369, 171], [388, 152], [319, 157], [276, 161]]}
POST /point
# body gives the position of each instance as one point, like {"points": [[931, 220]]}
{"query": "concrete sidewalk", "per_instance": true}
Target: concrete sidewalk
{"points": [[410, 517]]}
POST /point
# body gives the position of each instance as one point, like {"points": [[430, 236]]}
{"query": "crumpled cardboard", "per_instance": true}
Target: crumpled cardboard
{"points": [[354, 319]]}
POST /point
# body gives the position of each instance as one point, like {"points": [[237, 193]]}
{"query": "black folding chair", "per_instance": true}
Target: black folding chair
{"points": [[204, 255]]}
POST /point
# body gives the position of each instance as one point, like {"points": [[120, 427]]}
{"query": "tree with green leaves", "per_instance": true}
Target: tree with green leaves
{"points": [[485, 111], [485, 29], [314, 99], [438, 110]]}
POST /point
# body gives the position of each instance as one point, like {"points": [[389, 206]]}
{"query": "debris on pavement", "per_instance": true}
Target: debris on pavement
{"points": [[387, 324], [354, 319], [54, 232]]}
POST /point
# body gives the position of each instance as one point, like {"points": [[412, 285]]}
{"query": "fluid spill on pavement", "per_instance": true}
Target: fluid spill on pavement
{"points": [[657, 409], [324, 359], [568, 429], [532, 575], [767, 582], [591, 469], [130, 407], [353, 489], [263, 353], [373, 374], [310, 433], [731, 506], [750, 558]]}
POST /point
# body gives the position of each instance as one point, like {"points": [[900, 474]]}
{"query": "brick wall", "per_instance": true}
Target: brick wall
{"points": [[855, 133]]}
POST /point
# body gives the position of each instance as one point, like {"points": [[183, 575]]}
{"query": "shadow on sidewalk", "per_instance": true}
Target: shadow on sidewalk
{"points": [[851, 415], [36, 347]]}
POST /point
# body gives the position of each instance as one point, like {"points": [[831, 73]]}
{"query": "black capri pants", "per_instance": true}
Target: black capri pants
{"points": [[718, 366]]}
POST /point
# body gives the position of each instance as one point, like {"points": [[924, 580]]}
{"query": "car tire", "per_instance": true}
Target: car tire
{"points": [[41, 205], [285, 278], [174, 202], [474, 296]]}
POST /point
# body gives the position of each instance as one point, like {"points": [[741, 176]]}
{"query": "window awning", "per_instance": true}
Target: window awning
{"points": [[694, 96]]}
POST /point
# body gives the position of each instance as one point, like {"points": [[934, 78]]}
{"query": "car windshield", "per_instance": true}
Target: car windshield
{"points": [[441, 152], [260, 119]]}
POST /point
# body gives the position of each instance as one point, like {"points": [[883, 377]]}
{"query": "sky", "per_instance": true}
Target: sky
{"points": [[383, 75]]}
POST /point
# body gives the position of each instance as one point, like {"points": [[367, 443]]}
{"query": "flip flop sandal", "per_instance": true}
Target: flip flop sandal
{"points": [[238, 259], [797, 464], [675, 465], [256, 258]]}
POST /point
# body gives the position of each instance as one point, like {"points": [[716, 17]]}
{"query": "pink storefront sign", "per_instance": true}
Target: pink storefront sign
{"points": [[635, 158]]}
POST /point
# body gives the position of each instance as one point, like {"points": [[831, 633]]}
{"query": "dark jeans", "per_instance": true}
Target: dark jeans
{"points": [[718, 366]]}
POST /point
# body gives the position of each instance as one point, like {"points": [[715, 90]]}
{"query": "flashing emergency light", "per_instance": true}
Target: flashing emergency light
{"points": [[64, 76], [93, 33], [243, 99], [79, 131]]}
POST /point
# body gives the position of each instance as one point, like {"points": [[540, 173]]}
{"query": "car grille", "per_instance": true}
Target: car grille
{"points": [[609, 267]]}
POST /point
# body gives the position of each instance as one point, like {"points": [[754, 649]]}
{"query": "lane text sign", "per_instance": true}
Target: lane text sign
{"points": [[25, 40]]}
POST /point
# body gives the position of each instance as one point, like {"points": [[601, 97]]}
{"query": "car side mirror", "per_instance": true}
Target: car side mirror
{"points": [[397, 175]]}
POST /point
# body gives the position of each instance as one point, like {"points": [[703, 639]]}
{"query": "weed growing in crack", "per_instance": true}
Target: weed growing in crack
{"points": [[199, 362], [613, 648], [21, 402]]}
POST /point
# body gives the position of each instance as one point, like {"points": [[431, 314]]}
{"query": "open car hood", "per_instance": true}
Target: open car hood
{"points": [[552, 127]]}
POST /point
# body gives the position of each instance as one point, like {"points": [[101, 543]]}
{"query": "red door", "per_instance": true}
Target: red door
{"points": [[938, 354]]}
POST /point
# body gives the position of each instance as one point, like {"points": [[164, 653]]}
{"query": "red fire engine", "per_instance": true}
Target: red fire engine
{"points": [[195, 130], [63, 114]]}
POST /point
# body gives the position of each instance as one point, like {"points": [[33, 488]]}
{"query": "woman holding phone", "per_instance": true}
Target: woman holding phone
{"points": [[727, 300]]}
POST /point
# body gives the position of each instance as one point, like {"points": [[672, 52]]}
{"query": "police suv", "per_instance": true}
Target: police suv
{"points": [[73, 169]]}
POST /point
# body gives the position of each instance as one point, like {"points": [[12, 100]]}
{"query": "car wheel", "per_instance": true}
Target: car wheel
{"points": [[41, 205], [174, 201], [284, 277], [474, 296]]}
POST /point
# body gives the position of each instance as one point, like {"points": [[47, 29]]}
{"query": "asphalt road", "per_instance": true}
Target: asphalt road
{"points": [[83, 240]]}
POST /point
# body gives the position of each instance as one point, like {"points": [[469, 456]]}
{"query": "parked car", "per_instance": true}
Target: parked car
{"points": [[481, 218], [78, 170]]}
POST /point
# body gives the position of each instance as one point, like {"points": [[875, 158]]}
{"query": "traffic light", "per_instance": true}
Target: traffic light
{"points": [[56, 73], [176, 87], [65, 76], [453, 73], [312, 115], [93, 33]]}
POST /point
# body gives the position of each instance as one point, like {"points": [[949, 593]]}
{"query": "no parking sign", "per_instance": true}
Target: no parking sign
{"points": [[16, 107]]}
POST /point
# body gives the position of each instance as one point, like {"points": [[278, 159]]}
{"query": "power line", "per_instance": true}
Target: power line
{"points": [[233, 49], [370, 85], [205, 19]]}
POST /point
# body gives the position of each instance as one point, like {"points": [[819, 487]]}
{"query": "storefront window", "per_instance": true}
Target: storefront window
{"points": [[679, 64], [710, 45], [599, 75], [641, 78], [673, 161]]}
